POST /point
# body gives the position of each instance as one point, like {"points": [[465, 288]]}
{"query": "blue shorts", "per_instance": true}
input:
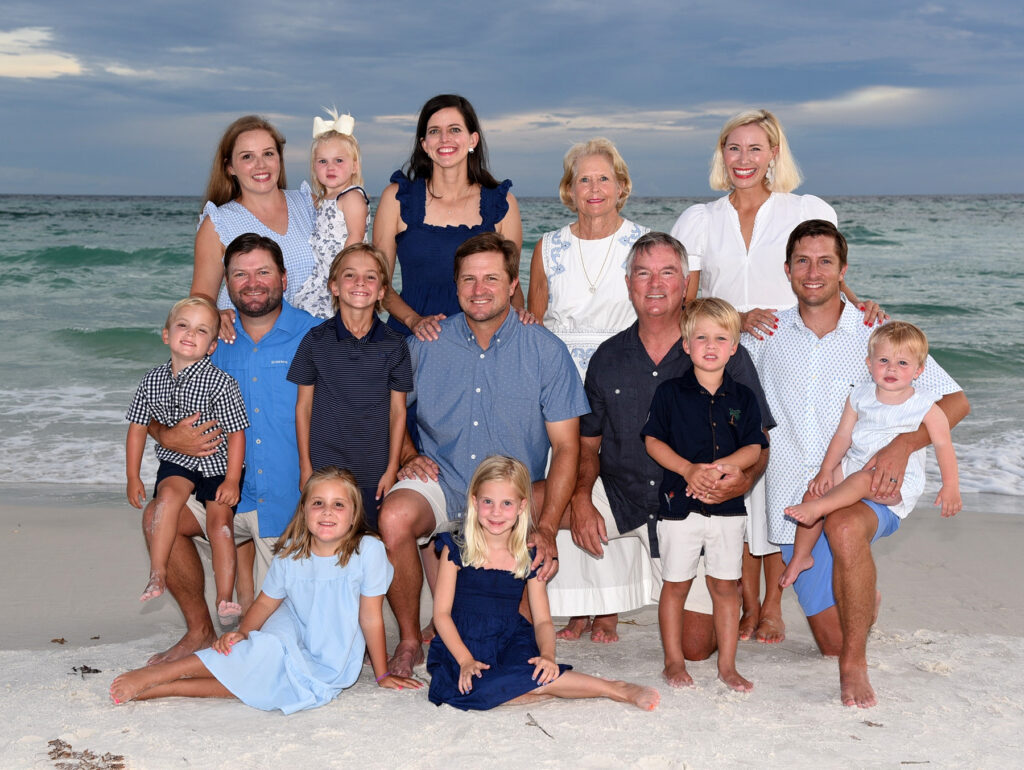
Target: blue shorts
{"points": [[205, 487], [814, 586]]}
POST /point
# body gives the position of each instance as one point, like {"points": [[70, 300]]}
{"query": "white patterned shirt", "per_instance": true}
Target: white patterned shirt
{"points": [[807, 381]]}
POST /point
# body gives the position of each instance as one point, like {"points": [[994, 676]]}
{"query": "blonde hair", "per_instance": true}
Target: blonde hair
{"points": [[785, 176], [715, 310], [472, 547], [359, 248], [570, 165], [904, 337], [319, 191], [297, 541], [194, 302], [222, 186]]}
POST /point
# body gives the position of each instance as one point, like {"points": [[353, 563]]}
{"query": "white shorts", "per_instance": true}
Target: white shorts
{"points": [[247, 527], [432, 493], [721, 538]]}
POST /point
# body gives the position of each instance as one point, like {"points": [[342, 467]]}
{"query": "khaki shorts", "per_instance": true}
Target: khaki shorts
{"points": [[432, 493], [720, 537], [247, 527]]}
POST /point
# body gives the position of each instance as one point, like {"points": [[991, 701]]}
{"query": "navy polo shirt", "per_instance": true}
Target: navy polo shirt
{"points": [[701, 427], [352, 381]]}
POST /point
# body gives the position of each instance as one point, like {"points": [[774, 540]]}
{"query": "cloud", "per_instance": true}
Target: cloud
{"points": [[872, 105], [25, 53]]}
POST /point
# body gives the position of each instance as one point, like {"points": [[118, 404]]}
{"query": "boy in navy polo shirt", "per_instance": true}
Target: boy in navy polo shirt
{"points": [[697, 424]]}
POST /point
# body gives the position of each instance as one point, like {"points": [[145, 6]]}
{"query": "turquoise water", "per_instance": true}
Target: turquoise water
{"points": [[86, 283]]}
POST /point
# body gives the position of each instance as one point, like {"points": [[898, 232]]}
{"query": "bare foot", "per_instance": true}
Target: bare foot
{"points": [[771, 630], [228, 613], [748, 624], [154, 587], [855, 688], [677, 676], [184, 647], [735, 681], [806, 513], [128, 686], [428, 633], [646, 698], [796, 565], [575, 628], [408, 654], [604, 629]]}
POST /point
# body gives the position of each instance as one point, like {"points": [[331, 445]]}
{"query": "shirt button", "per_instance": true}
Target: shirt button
{"points": [[650, 516], [259, 441], [652, 482], [261, 500], [472, 457], [617, 391], [255, 350], [255, 379], [478, 390], [654, 374], [481, 355], [259, 470], [475, 423]]}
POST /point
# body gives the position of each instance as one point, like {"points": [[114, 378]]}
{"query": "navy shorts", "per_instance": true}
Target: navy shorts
{"points": [[205, 487]]}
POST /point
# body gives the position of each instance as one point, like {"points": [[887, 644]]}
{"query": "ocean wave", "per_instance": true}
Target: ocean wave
{"points": [[57, 257]]}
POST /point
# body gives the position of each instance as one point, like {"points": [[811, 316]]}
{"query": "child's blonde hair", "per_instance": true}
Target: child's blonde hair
{"points": [[714, 309], [904, 337], [319, 191], [359, 248], [194, 302], [297, 541], [472, 547]]}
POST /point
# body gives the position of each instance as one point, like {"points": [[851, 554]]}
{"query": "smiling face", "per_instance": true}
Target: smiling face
{"points": [[498, 506], [335, 164], [485, 290], [596, 190], [447, 141], [191, 334], [747, 152], [255, 162], [815, 271], [357, 282], [892, 370], [255, 284], [329, 512], [656, 283]]}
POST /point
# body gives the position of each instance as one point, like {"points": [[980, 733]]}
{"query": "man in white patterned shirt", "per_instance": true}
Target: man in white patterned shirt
{"points": [[807, 368]]}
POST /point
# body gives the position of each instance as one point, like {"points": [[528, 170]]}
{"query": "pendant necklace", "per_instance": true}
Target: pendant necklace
{"points": [[597, 279]]}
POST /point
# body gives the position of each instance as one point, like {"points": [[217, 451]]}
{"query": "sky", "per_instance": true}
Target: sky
{"points": [[877, 97]]}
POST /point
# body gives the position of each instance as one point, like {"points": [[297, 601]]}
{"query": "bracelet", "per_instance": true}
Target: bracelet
{"points": [[386, 673]]}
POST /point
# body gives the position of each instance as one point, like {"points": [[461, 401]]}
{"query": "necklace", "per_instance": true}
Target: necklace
{"points": [[592, 285], [458, 199]]}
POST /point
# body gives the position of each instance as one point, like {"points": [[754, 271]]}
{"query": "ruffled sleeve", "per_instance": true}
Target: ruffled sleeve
{"points": [[307, 200], [814, 207], [454, 554], [411, 198], [691, 229], [494, 202], [212, 211], [377, 570]]}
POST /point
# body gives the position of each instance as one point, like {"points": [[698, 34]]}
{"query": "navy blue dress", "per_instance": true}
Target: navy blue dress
{"points": [[486, 614]]}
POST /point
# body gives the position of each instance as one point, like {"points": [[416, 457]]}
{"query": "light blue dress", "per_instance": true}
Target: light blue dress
{"points": [[312, 647]]}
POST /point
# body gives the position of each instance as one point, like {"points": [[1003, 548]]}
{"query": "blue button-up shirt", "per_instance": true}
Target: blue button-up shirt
{"points": [[271, 485], [472, 402]]}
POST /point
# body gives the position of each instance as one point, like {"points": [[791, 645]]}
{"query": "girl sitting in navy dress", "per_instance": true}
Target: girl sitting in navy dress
{"points": [[485, 652], [302, 641]]}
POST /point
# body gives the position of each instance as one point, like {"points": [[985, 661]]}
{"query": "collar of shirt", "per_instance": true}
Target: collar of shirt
{"points": [[287, 322], [189, 371], [375, 334], [849, 318], [507, 331], [690, 382]]}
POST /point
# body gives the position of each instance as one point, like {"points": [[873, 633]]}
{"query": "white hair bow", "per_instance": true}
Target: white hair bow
{"points": [[342, 124]]}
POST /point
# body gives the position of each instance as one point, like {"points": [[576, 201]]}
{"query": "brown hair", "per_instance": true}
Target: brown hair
{"points": [[222, 186], [359, 248], [485, 242]]}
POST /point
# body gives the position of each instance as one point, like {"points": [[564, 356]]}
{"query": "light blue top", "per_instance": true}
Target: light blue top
{"points": [[312, 647], [271, 485], [233, 219], [473, 402]]}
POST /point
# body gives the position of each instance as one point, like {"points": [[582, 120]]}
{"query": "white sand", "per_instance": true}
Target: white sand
{"points": [[946, 659]]}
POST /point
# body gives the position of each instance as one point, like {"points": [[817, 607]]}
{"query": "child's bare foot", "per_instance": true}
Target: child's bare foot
{"points": [[735, 681], [855, 688], [428, 633], [796, 565], [408, 653], [646, 698], [748, 624], [677, 676], [154, 587], [575, 628], [604, 629], [771, 630], [806, 513], [128, 686], [228, 613]]}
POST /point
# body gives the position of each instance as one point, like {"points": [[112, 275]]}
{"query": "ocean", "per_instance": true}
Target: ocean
{"points": [[86, 283]]}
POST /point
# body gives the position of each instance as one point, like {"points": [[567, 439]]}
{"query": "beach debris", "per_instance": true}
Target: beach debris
{"points": [[59, 640], [66, 758], [869, 723], [83, 670], [533, 723], [94, 637]]}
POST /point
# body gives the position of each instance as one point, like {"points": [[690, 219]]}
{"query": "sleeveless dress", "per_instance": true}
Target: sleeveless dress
{"points": [[328, 239], [878, 424], [486, 614], [233, 219], [312, 647], [426, 253]]}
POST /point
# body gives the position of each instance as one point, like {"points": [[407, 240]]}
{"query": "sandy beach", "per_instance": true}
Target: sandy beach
{"points": [[946, 659]]}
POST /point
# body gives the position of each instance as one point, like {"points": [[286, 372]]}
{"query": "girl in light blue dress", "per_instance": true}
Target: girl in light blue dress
{"points": [[302, 641]]}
